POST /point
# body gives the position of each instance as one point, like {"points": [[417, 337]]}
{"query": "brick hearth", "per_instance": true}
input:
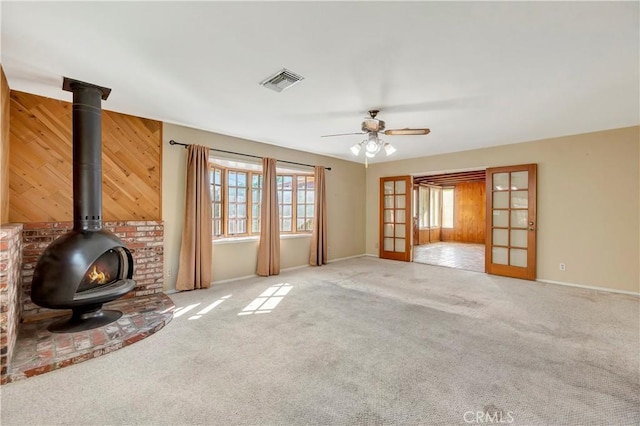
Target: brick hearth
{"points": [[38, 351], [26, 347]]}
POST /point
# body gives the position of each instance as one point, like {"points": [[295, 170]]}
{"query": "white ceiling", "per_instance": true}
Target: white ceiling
{"points": [[477, 74]]}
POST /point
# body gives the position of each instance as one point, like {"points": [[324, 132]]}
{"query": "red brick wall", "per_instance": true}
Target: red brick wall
{"points": [[145, 240], [10, 253]]}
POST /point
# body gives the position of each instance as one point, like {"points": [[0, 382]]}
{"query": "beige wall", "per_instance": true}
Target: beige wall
{"points": [[345, 205], [588, 202]]}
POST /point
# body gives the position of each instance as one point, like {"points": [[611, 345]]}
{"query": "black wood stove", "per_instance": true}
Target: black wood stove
{"points": [[87, 266]]}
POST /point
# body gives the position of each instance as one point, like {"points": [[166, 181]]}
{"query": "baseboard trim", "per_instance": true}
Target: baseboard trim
{"points": [[228, 280], [588, 287], [346, 258]]}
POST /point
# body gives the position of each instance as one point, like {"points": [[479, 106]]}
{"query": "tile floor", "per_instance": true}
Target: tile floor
{"points": [[451, 254]]}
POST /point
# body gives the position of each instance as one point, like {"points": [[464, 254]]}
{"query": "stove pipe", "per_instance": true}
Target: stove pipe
{"points": [[87, 153]]}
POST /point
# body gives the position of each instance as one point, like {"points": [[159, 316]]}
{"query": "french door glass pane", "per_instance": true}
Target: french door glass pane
{"points": [[500, 237], [400, 230], [519, 199], [388, 201], [401, 187], [501, 218], [519, 238], [400, 216], [499, 255], [501, 200], [520, 180], [400, 200], [518, 258], [388, 215], [400, 245], [519, 218], [388, 244], [388, 229], [388, 187], [500, 181]]}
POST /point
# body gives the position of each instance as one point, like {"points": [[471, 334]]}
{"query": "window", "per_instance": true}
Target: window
{"points": [[236, 202], [256, 202], [429, 200], [285, 201], [215, 177], [305, 206], [434, 207], [447, 207], [236, 196]]}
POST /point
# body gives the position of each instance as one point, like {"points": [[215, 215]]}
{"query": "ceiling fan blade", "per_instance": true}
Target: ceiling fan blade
{"points": [[343, 134], [399, 132]]}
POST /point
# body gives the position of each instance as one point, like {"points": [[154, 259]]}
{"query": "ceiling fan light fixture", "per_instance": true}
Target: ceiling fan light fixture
{"points": [[356, 148], [389, 149], [370, 154]]}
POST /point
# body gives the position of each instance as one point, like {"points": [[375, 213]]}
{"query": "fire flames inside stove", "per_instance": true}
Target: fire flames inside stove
{"points": [[105, 270], [98, 277]]}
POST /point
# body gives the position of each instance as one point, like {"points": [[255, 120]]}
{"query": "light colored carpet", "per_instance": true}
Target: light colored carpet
{"points": [[362, 341]]}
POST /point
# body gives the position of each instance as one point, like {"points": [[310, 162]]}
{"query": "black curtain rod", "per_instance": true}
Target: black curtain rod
{"points": [[172, 142]]}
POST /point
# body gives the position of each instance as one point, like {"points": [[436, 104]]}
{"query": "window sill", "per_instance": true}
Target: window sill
{"points": [[252, 238]]}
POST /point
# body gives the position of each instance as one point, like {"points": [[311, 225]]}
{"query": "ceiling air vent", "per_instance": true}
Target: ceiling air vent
{"points": [[281, 80]]}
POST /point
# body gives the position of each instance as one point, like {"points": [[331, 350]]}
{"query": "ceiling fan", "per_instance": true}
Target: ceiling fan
{"points": [[371, 127]]}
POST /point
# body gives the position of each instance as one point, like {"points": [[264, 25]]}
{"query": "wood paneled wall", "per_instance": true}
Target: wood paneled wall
{"points": [[469, 214], [40, 164], [4, 148]]}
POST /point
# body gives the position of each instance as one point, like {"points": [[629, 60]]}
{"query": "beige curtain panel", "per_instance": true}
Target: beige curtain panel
{"points": [[269, 248], [318, 253], [194, 270]]}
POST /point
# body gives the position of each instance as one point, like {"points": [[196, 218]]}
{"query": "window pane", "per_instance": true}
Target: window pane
{"points": [[218, 177], [300, 196], [217, 193], [301, 183], [242, 226], [232, 195], [232, 227], [255, 227], [217, 210], [310, 196], [300, 226], [242, 195], [241, 210], [447, 207], [286, 211], [232, 210], [310, 208], [255, 211], [232, 179], [242, 179], [286, 225], [300, 210], [287, 197]]}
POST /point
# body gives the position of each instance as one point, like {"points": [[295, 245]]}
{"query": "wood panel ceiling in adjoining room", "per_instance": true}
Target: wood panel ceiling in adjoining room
{"points": [[40, 182], [451, 179]]}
